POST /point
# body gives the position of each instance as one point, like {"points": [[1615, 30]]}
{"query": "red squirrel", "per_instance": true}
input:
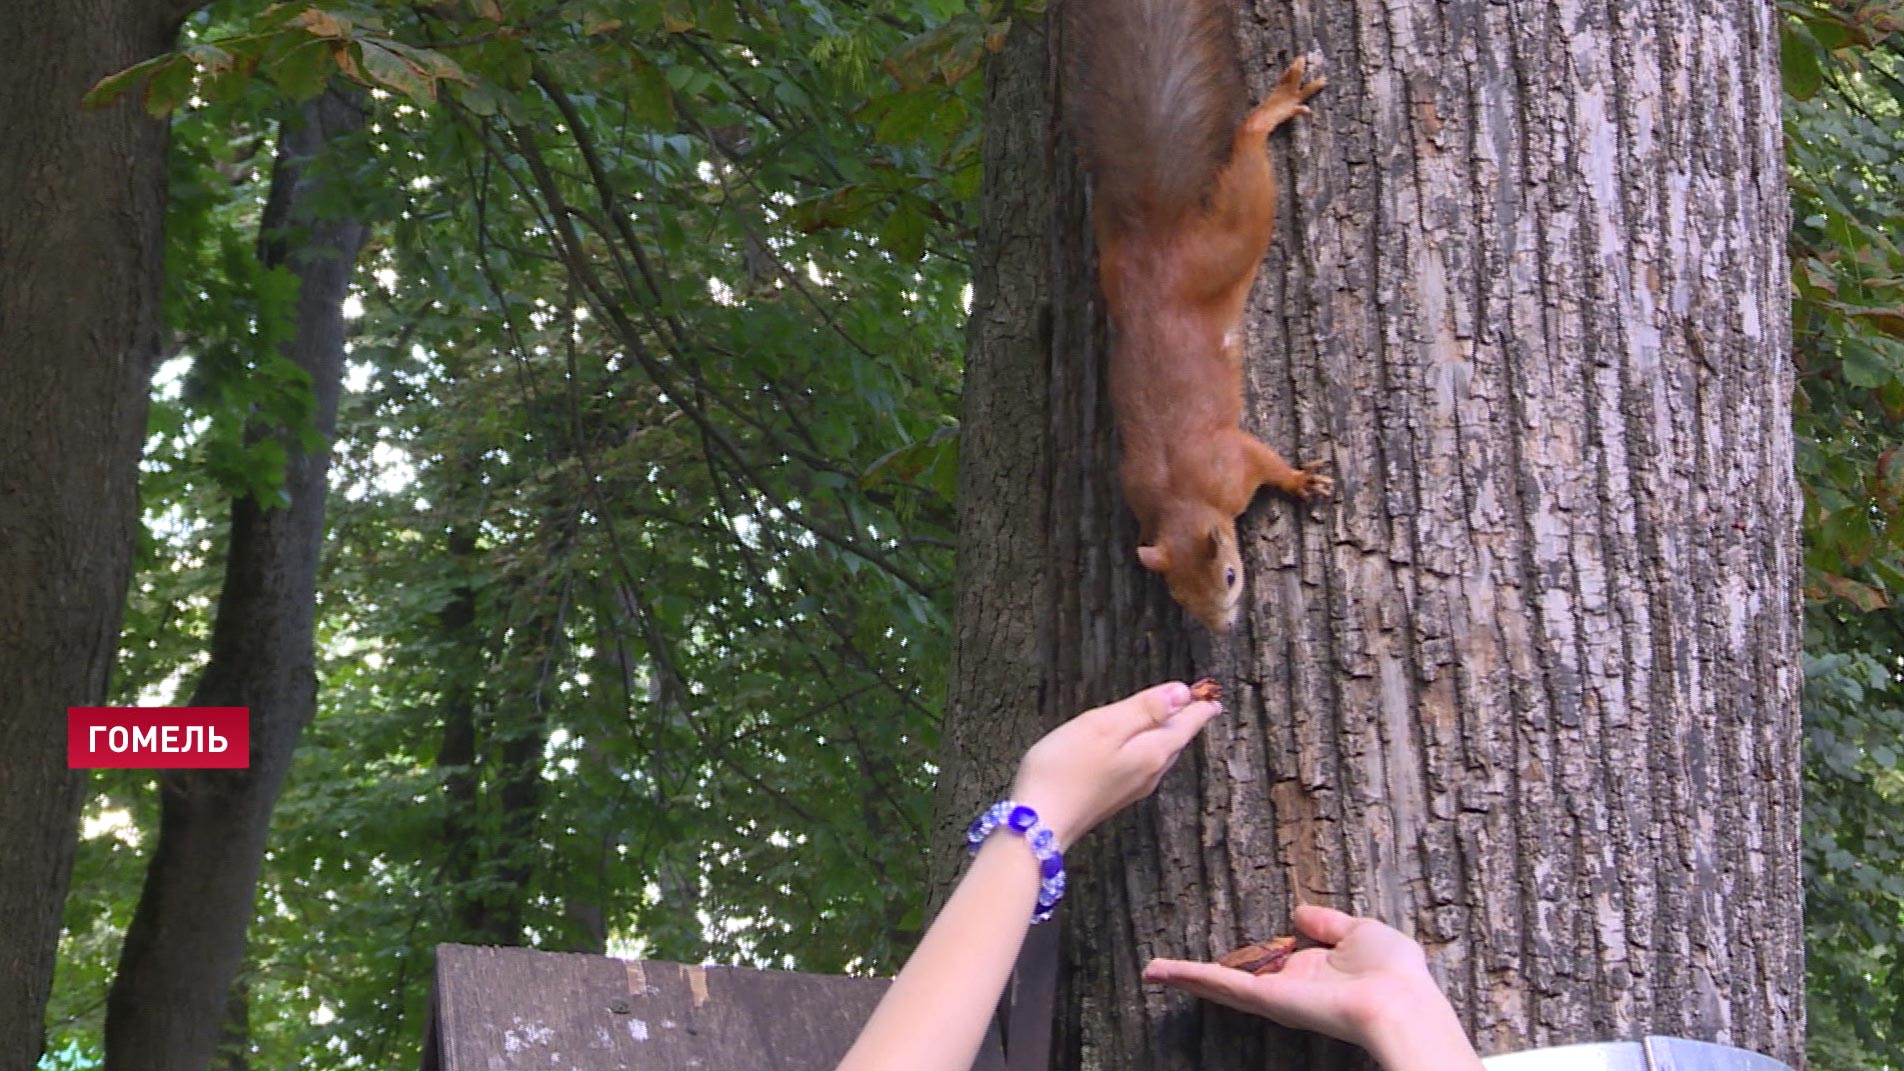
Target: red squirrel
{"points": [[1184, 202]]}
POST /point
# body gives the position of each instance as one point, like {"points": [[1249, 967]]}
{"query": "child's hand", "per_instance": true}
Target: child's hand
{"points": [[1105, 759], [1370, 986]]}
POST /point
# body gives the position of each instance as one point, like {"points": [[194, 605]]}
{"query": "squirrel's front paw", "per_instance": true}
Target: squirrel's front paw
{"points": [[1310, 484]]}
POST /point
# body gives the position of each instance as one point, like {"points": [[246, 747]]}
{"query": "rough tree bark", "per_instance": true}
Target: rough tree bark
{"points": [[1528, 689], [82, 202], [187, 938]]}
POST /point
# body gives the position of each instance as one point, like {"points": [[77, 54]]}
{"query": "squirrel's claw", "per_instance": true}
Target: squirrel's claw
{"points": [[1294, 84], [1313, 484], [1285, 101]]}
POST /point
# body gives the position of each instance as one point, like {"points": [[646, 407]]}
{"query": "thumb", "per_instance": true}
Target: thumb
{"points": [[1185, 724], [1147, 709], [1323, 924]]}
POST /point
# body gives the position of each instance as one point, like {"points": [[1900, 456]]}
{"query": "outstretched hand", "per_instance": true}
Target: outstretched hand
{"points": [[1105, 759], [1369, 985], [935, 1014]]}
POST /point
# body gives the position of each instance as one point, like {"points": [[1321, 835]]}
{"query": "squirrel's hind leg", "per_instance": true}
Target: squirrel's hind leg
{"points": [[1226, 243]]}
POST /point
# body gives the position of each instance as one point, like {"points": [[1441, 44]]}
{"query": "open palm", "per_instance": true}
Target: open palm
{"points": [[1369, 985]]}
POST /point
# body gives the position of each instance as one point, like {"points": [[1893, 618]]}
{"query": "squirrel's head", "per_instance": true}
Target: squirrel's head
{"points": [[1202, 567]]}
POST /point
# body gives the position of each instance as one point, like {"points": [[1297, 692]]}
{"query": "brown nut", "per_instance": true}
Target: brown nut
{"points": [[1263, 957], [1206, 691]]}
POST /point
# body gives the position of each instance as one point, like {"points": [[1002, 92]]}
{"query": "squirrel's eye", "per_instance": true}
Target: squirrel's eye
{"points": [[1229, 577]]}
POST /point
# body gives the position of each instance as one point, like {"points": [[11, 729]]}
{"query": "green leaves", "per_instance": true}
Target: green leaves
{"points": [[167, 80], [930, 464], [654, 384], [904, 232], [1799, 65], [1848, 316], [1845, 141], [650, 99], [244, 383], [382, 65], [945, 53], [685, 470], [302, 68], [1854, 851], [298, 49]]}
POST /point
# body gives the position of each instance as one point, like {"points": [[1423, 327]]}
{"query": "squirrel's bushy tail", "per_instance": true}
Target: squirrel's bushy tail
{"points": [[1154, 94]]}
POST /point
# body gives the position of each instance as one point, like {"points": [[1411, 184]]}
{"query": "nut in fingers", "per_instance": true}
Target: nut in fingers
{"points": [[1206, 691], [1263, 957]]}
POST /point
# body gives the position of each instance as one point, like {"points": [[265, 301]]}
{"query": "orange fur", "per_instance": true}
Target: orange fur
{"points": [[1176, 260]]}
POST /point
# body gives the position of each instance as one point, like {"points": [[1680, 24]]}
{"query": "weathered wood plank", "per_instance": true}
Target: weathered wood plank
{"points": [[512, 1009]]}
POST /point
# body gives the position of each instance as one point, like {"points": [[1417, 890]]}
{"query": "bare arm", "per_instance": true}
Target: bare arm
{"points": [[935, 1015]]}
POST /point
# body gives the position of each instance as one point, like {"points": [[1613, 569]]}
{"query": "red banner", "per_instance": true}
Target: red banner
{"points": [[158, 738]]}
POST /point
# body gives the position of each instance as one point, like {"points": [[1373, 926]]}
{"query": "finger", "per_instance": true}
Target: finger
{"points": [[1183, 726], [1158, 749], [1228, 987], [1324, 924], [1190, 974], [1147, 709]]}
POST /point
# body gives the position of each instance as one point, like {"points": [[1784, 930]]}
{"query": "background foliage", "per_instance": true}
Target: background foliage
{"points": [[1844, 81], [633, 625]]}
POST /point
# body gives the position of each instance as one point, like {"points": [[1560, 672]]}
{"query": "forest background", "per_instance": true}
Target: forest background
{"points": [[632, 624]]}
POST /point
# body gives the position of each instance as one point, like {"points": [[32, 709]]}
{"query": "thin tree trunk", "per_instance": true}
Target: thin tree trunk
{"points": [[187, 938], [494, 741], [519, 737], [82, 205], [588, 905], [507, 852], [1528, 689], [459, 659]]}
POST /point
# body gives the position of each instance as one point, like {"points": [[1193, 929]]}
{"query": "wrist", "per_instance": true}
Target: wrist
{"points": [[1415, 1027], [1013, 819], [1053, 810]]}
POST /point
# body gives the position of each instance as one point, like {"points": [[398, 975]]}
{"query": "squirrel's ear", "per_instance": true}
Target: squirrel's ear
{"points": [[1216, 542], [1156, 559]]}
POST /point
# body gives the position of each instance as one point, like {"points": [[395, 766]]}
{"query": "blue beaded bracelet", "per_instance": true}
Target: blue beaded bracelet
{"points": [[1044, 845]]}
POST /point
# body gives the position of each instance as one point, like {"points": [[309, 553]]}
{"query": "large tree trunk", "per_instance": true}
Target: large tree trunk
{"points": [[82, 203], [1528, 689], [187, 938]]}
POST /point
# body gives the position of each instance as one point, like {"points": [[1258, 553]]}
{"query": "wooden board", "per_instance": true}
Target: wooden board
{"points": [[512, 1009]]}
